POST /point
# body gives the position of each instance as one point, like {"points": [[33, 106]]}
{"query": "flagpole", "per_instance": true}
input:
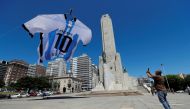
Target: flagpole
{"points": [[165, 76]]}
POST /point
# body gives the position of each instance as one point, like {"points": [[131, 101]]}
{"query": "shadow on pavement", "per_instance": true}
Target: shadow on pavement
{"points": [[57, 97]]}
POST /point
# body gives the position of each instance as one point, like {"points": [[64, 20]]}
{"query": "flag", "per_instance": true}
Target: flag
{"points": [[59, 37]]}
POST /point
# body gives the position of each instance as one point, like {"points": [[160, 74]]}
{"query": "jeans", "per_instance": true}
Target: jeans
{"points": [[162, 98]]}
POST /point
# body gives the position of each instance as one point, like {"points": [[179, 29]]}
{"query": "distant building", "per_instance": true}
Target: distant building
{"points": [[144, 80], [56, 68], [40, 70], [68, 84], [81, 67], [31, 70], [73, 66], [3, 69], [36, 70], [95, 76], [16, 69]]}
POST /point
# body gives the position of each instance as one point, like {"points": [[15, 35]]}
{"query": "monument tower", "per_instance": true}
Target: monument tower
{"points": [[110, 62], [110, 66]]}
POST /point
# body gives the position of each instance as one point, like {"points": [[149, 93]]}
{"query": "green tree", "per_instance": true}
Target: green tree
{"points": [[42, 82], [2, 83], [26, 82], [33, 83], [175, 82], [187, 80], [12, 86]]}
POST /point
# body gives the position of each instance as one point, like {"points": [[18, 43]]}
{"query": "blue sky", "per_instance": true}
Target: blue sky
{"points": [[147, 32]]}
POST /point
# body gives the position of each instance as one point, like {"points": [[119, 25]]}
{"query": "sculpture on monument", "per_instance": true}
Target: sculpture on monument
{"points": [[99, 87], [110, 67]]}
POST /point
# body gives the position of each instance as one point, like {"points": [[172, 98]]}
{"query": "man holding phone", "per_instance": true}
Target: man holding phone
{"points": [[160, 87]]}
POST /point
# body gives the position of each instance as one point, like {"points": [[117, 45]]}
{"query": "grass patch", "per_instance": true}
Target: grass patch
{"points": [[7, 93]]}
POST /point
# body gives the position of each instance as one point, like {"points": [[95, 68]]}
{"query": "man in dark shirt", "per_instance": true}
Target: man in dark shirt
{"points": [[160, 87]]}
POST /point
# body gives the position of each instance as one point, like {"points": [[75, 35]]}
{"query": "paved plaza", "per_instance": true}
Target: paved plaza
{"points": [[146, 101]]}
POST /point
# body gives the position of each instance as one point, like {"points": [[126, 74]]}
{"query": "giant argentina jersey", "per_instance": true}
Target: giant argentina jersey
{"points": [[59, 37]]}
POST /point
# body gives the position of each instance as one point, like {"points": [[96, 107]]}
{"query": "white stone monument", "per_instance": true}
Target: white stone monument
{"points": [[110, 67]]}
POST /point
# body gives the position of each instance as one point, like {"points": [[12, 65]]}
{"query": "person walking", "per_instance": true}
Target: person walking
{"points": [[160, 87]]}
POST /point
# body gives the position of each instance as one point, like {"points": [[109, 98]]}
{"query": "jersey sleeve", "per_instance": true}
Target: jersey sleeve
{"points": [[84, 33], [45, 23]]}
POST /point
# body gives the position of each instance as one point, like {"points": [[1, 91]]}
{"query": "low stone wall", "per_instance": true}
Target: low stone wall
{"points": [[111, 93]]}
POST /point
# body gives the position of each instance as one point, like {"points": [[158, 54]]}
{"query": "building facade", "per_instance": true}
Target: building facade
{"points": [[40, 70], [3, 69], [56, 68], [36, 70], [16, 69], [81, 67], [68, 84], [73, 66], [31, 70]]}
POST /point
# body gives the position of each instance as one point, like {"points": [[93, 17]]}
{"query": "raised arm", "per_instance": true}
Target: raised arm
{"points": [[149, 74]]}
